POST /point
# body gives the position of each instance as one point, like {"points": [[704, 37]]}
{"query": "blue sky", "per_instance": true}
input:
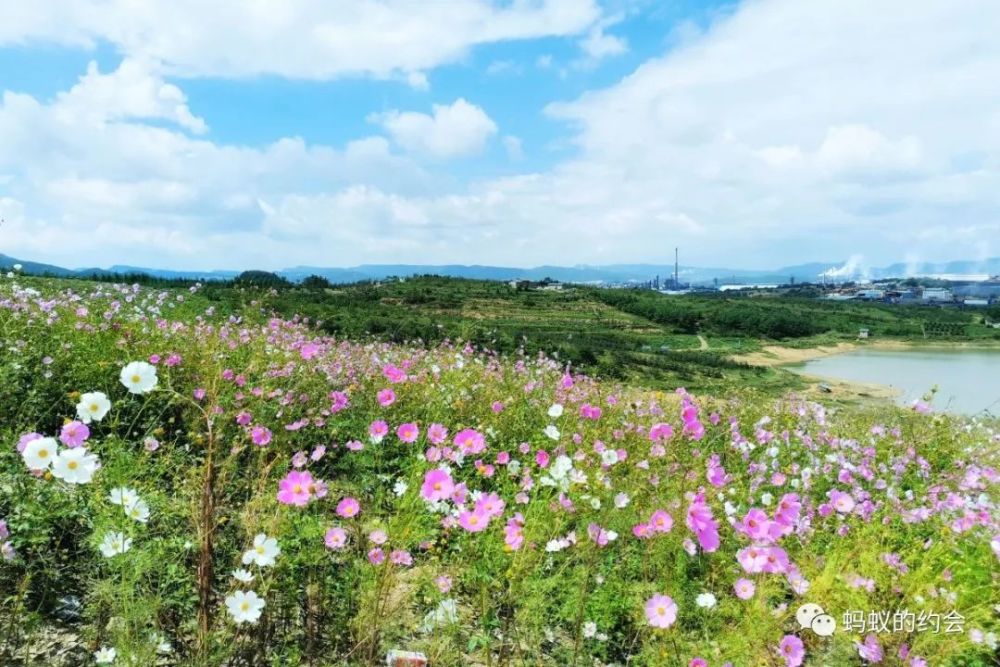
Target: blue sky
{"points": [[471, 131]]}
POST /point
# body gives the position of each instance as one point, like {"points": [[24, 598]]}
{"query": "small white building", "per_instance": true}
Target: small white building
{"points": [[937, 294], [863, 333]]}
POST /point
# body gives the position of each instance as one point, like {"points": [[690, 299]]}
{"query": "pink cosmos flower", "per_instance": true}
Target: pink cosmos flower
{"points": [[752, 559], [473, 522], [437, 433], [400, 557], [756, 525], [744, 589], [870, 650], [25, 439], [348, 508], [386, 397], [295, 489], [775, 560], [513, 535], [261, 435], [376, 556], [470, 441], [377, 430], [792, 650], [642, 530], [661, 521], [378, 537], [335, 538], [660, 432], [702, 524], [490, 504], [74, 434], [443, 583], [394, 374], [542, 458], [437, 485], [842, 502], [698, 662], [308, 351], [661, 611], [408, 432]]}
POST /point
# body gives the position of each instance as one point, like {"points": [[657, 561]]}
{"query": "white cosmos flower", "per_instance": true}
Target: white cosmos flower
{"points": [[609, 457], [622, 500], [555, 410], [93, 406], [75, 466], [705, 600], [139, 377], [265, 550], [138, 510], [123, 496], [105, 656], [552, 431], [242, 576], [590, 630], [115, 544], [245, 607], [40, 453]]}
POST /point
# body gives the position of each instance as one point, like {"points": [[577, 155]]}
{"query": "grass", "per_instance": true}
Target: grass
{"points": [[923, 488]]}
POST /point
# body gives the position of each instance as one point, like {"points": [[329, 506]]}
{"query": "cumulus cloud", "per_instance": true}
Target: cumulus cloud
{"points": [[307, 39], [768, 138], [451, 130]]}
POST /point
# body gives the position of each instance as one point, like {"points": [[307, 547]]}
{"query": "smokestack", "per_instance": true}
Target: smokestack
{"points": [[677, 265]]}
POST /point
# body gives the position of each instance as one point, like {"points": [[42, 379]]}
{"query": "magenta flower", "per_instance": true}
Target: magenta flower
{"points": [[702, 524], [348, 508], [756, 525], [295, 489], [335, 538], [490, 504], [661, 611], [437, 433], [408, 432], [792, 650], [661, 521], [308, 351], [437, 485], [698, 662], [376, 556], [470, 441], [377, 430], [386, 397], [842, 502], [542, 458], [74, 434], [660, 432], [473, 522], [870, 650], [261, 435]]}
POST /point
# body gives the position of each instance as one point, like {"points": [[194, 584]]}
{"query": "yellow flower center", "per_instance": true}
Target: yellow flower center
{"points": [[245, 606], [136, 379], [260, 550], [43, 453], [72, 465]]}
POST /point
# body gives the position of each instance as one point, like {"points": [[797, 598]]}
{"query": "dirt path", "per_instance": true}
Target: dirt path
{"points": [[702, 342]]}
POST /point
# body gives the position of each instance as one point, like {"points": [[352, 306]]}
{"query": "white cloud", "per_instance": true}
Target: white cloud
{"points": [[768, 138], [512, 144], [598, 44], [451, 130], [308, 39]]}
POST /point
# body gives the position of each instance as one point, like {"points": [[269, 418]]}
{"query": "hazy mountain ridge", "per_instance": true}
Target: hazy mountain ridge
{"points": [[610, 273]]}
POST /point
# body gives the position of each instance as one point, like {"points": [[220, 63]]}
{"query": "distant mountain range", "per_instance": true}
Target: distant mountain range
{"points": [[609, 273]]}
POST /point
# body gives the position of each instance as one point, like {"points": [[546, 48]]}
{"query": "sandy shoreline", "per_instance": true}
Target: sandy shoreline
{"points": [[778, 355], [839, 389]]}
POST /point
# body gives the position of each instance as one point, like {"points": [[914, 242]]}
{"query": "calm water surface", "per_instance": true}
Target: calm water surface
{"points": [[968, 381]]}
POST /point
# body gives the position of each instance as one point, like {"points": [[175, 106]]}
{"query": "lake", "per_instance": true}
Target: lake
{"points": [[968, 381]]}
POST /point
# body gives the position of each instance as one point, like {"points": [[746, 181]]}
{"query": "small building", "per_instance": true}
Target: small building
{"points": [[863, 333], [871, 294], [937, 295], [976, 303]]}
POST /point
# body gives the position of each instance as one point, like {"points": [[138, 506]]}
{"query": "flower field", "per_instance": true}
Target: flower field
{"points": [[185, 484]]}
